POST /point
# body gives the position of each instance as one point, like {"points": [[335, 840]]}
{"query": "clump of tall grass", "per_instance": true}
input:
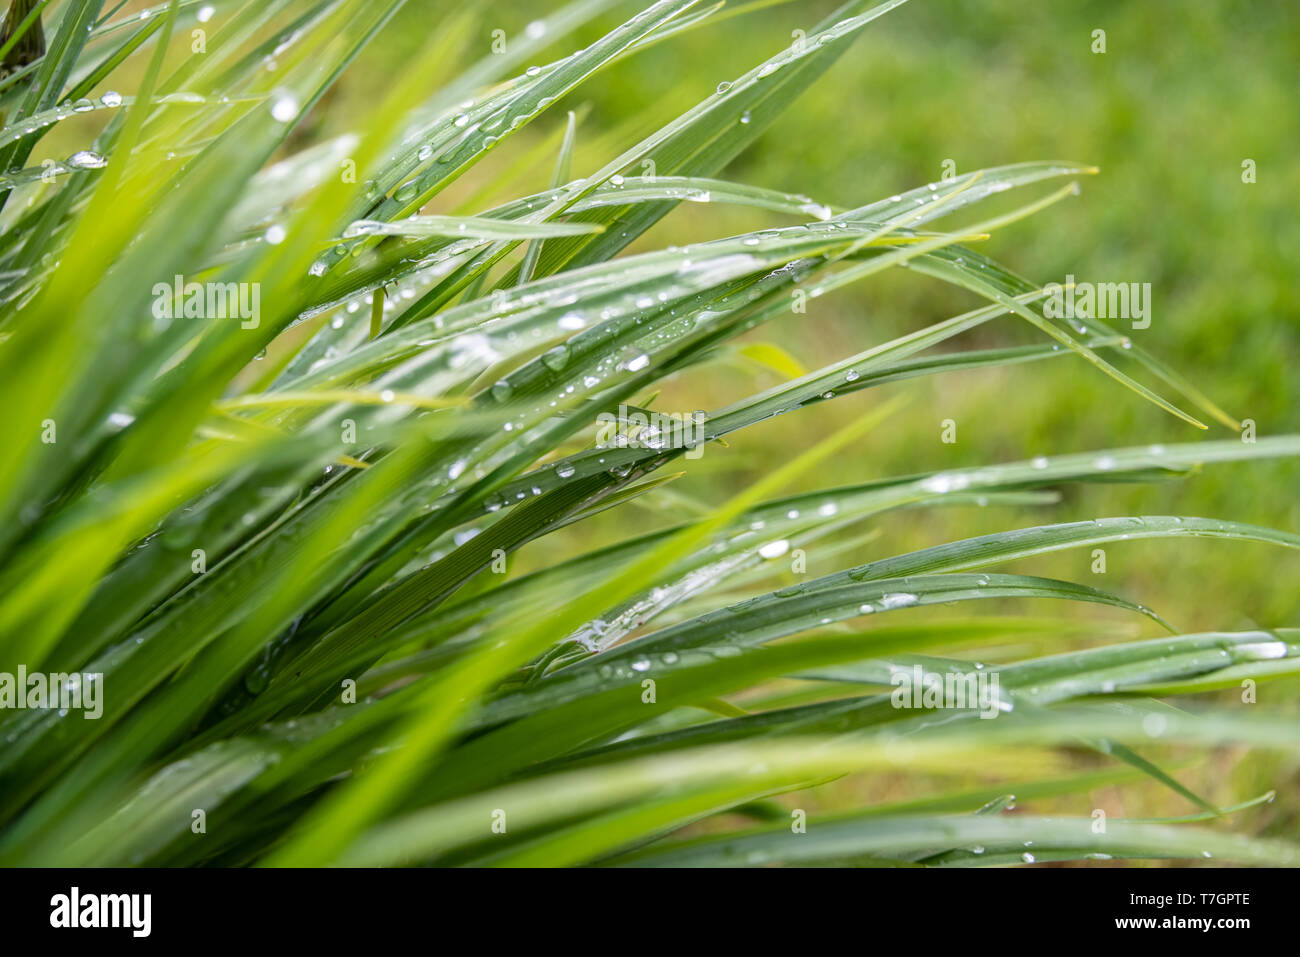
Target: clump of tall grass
{"points": [[282, 417]]}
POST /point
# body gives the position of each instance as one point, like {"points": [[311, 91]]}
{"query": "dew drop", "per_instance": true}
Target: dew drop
{"points": [[86, 159], [285, 108], [557, 358]]}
